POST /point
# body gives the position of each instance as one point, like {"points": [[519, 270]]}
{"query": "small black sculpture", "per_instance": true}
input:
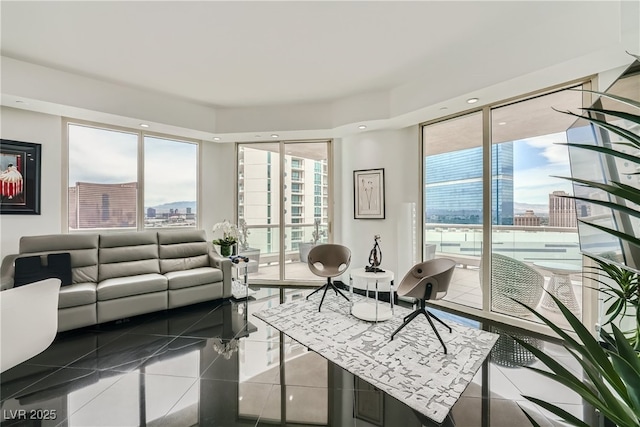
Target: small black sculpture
{"points": [[375, 257], [237, 258]]}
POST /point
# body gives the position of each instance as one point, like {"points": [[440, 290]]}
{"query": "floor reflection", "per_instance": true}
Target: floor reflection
{"points": [[214, 364]]}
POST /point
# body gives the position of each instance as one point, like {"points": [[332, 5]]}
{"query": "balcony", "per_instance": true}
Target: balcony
{"points": [[533, 246], [553, 252]]}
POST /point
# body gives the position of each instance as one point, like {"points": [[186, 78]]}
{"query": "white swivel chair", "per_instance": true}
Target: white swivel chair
{"points": [[426, 280], [28, 321]]}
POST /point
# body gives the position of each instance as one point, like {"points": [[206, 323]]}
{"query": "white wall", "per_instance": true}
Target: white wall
{"points": [[218, 185], [26, 126], [397, 151]]}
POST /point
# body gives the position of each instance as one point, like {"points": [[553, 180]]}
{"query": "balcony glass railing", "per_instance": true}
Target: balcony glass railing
{"points": [[554, 252], [264, 240]]}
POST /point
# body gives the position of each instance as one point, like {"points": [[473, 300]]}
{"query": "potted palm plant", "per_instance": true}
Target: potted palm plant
{"points": [[621, 289], [612, 385], [612, 366], [621, 297]]}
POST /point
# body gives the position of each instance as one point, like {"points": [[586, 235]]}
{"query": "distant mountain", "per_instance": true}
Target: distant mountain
{"points": [[539, 210], [181, 206]]}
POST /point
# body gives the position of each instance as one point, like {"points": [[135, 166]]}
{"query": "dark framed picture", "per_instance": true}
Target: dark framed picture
{"points": [[368, 402], [368, 194], [19, 177]]}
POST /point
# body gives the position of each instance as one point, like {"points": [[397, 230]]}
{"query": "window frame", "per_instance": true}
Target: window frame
{"points": [[589, 288], [297, 188], [141, 134]]}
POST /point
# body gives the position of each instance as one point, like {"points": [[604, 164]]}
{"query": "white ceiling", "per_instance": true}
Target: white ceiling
{"points": [[239, 55]]}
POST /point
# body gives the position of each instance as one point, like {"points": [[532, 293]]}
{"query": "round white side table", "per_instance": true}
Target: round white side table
{"points": [[560, 286], [367, 309]]}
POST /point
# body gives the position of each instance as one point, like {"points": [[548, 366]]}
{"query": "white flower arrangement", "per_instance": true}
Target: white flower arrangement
{"points": [[229, 233]]}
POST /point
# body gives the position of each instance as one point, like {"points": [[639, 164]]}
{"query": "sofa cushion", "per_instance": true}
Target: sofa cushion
{"points": [[83, 249], [29, 269], [119, 287], [128, 254], [77, 294], [182, 250], [193, 277]]}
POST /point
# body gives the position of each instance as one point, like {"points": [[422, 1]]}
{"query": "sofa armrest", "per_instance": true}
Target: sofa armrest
{"points": [[7, 271], [223, 263]]}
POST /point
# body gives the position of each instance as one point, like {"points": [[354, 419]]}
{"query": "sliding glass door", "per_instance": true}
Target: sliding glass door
{"points": [[494, 204], [283, 202], [534, 233], [453, 201]]}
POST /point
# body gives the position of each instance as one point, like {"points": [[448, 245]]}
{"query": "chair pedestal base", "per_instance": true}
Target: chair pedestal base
{"points": [[428, 315], [326, 287]]}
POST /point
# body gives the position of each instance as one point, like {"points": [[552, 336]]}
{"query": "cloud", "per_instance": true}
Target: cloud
{"points": [[554, 153], [534, 185], [94, 159], [106, 156], [170, 171]]}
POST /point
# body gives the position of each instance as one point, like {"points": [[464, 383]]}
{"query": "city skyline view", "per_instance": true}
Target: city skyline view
{"points": [[170, 166], [525, 173]]}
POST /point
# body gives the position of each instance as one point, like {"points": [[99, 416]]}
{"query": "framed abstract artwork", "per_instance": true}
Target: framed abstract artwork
{"points": [[19, 177], [368, 194]]}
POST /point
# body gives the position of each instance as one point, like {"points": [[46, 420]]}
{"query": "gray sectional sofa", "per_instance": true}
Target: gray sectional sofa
{"points": [[119, 275]]}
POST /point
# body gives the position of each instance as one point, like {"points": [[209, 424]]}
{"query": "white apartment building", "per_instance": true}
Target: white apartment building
{"points": [[259, 197]]}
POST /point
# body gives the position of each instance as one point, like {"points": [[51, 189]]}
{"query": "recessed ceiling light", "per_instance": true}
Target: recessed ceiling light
{"points": [[274, 135], [362, 127], [502, 123], [216, 138], [19, 101], [257, 136], [144, 125], [472, 100], [444, 108]]}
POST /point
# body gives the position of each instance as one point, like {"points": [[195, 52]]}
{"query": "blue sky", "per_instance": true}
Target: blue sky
{"points": [[534, 161]]}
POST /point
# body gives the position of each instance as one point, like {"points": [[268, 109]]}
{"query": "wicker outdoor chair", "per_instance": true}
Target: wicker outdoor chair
{"points": [[511, 278], [510, 353]]}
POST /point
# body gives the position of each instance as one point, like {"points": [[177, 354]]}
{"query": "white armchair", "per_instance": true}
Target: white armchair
{"points": [[28, 321]]}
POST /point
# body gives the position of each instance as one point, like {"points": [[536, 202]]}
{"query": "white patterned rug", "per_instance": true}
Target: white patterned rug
{"points": [[412, 368]]}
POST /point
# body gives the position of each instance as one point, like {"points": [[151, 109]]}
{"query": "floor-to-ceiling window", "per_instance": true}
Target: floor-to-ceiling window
{"points": [[121, 179], [453, 200], [534, 244], [489, 176], [283, 203]]}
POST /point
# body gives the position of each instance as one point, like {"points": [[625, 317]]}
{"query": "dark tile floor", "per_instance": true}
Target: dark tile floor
{"points": [[214, 364]]}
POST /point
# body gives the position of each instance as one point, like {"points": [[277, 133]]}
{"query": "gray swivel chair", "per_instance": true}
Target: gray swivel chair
{"points": [[328, 260], [427, 280]]}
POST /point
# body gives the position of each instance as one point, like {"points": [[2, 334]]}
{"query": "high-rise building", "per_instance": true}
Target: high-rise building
{"points": [[562, 210], [453, 186], [529, 219], [305, 196], [94, 205]]}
